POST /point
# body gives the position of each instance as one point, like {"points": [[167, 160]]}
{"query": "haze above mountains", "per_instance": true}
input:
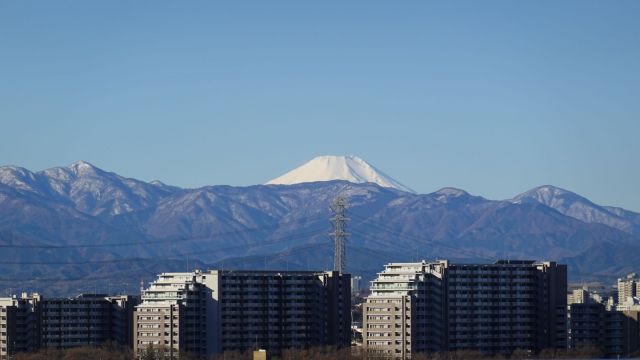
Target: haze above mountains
{"points": [[69, 226]]}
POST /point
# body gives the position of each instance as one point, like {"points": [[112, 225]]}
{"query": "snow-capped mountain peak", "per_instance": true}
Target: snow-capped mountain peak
{"points": [[330, 167], [81, 167], [451, 192], [17, 177], [447, 193], [579, 207], [547, 194]]}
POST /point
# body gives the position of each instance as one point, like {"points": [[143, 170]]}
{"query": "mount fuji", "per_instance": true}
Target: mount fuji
{"points": [[330, 167]]}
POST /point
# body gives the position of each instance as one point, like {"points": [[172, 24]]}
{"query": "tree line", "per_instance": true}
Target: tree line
{"points": [[110, 351]]}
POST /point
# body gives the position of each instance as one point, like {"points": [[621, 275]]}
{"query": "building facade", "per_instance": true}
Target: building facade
{"points": [[32, 322], [615, 333], [175, 315], [404, 312], [215, 311], [280, 310], [492, 308], [86, 320], [507, 306], [613, 330], [628, 288], [19, 325]]}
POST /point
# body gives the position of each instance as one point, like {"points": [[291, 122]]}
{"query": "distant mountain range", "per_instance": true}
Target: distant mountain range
{"points": [[79, 228]]}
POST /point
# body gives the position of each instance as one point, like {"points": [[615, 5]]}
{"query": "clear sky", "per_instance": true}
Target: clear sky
{"points": [[494, 97]]}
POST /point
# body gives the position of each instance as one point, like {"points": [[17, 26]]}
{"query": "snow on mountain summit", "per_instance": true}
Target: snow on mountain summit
{"points": [[329, 167], [579, 207], [82, 167]]}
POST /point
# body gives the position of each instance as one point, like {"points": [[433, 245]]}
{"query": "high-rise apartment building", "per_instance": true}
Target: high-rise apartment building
{"points": [[493, 308], [628, 288], [176, 314], [32, 322], [85, 320], [219, 310], [405, 312], [19, 325], [278, 310], [507, 306]]}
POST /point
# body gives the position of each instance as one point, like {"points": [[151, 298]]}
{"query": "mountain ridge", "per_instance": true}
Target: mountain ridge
{"points": [[581, 208], [86, 217]]}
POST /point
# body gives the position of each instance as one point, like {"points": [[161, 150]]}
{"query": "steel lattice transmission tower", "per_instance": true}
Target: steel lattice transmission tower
{"points": [[339, 234]]}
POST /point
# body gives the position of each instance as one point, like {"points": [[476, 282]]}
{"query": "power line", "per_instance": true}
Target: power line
{"points": [[341, 230], [109, 277], [338, 229], [478, 255], [275, 241], [157, 241]]}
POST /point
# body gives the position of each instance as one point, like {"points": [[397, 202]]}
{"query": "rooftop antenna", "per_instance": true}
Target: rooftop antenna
{"points": [[339, 234], [141, 287]]}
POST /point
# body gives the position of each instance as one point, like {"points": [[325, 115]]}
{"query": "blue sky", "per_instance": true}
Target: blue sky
{"points": [[494, 97]]}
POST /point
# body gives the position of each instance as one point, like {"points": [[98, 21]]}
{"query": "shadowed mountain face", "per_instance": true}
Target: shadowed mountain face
{"points": [[64, 228]]}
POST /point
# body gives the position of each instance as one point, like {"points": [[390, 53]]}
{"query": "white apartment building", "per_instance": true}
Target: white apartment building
{"points": [[176, 315], [628, 288], [404, 312]]}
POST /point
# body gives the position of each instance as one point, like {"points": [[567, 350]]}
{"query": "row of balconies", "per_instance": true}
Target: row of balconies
{"points": [[495, 313], [492, 331], [77, 330], [275, 297], [472, 295], [271, 288], [76, 314], [461, 295], [488, 270], [280, 325], [268, 306], [54, 303], [264, 313], [480, 305], [271, 322], [502, 315], [475, 289], [494, 347], [471, 310], [66, 340], [478, 323], [263, 335], [386, 334], [492, 277], [278, 328]]}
